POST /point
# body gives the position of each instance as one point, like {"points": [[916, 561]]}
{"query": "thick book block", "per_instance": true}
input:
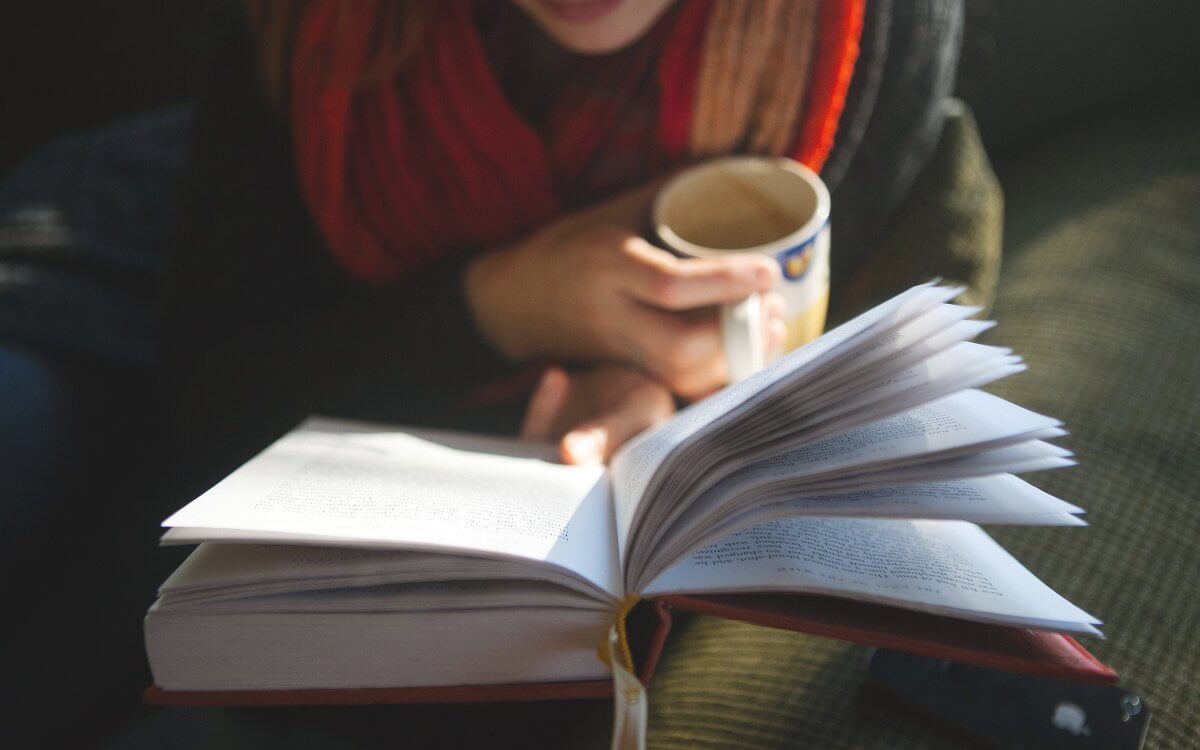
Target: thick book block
{"points": [[156, 696], [649, 628], [1021, 650], [849, 474]]}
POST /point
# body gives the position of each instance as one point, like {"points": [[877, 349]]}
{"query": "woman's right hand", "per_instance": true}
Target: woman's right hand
{"points": [[589, 288]]}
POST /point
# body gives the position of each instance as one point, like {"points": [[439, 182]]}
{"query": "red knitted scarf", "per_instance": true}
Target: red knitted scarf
{"points": [[398, 174]]}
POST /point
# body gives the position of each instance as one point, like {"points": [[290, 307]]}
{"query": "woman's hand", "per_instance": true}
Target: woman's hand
{"points": [[592, 413], [588, 288]]}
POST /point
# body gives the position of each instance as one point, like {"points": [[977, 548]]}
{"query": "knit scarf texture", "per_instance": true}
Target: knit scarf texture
{"points": [[436, 160]]}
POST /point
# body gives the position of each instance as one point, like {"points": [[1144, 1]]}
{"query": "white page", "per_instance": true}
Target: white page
{"points": [[635, 463], [1026, 456], [213, 566], [945, 321], [953, 422], [945, 567], [420, 596], [999, 499], [961, 419], [1019, 458], [1002, 498], [890, 354], [960, 367], [419, 491], [415, 566], [965, 367], [899, 402], [221, 571], [219, 568]]}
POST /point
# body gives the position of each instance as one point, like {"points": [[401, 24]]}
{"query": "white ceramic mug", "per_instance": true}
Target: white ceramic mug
{"points": [[772, 206]]}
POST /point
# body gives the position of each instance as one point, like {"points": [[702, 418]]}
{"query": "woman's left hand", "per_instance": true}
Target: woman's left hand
{"points": [[592, 412]]}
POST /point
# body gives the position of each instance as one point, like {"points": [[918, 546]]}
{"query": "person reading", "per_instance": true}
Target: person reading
{"points": [[406, 211]]}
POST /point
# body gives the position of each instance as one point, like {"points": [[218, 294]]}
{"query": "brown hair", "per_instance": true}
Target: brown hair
{"points": [[753, 76], [749, 92]]}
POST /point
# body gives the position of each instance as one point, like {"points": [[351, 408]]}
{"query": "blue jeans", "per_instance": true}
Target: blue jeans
{"points": [[84, 224]]}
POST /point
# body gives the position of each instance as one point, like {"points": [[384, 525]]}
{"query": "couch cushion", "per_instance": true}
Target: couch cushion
{"points": [[1034, 68], [1100, 291], [728, 684]]}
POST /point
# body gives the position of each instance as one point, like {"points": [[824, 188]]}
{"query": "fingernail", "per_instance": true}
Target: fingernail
{"points": [[583, 447], [763, 276]]}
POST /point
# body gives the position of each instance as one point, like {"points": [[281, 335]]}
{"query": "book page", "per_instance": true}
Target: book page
{"points": [[944, 567], [998, 499], [953, 423], [418, 596], [635, 464], [225, 570], [346, 484], [1002, 498]]}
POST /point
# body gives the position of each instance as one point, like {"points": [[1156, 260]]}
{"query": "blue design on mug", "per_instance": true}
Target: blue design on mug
{"points": [[795, 261]]}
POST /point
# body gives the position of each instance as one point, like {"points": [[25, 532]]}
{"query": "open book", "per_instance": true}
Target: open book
{"points": [[837, 491]]}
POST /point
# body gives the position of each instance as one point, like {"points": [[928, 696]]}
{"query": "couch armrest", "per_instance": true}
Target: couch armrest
{"points": [[950, 226]]}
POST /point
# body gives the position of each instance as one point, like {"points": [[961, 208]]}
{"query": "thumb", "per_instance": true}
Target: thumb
{"points": [[546, 405], [595, 440]]}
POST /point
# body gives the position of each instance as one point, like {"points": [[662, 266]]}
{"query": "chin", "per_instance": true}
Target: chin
{"points": [[595, 27], [590, 44]]}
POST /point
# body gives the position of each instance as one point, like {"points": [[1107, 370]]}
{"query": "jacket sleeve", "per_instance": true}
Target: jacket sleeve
{"points": [[262, 326]]}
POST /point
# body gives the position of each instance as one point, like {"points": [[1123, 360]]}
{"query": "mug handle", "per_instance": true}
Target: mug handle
{"points": [[742, 332]]}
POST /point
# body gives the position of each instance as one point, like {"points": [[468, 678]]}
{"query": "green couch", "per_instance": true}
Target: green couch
{"points": [[1100, 290], [1086, 122], [1093, 116]]}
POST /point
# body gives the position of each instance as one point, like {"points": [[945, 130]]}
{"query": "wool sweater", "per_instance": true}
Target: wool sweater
{"points": [[263, 328]]}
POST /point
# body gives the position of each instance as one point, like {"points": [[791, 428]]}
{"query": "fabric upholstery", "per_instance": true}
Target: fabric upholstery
{"points": [[894, 120], [950, 227], [1100, 293], [1036, 69], [728, 684]]}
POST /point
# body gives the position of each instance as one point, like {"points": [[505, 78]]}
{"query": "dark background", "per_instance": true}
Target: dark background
{"points": [[1033, 71], [1030, 68]]}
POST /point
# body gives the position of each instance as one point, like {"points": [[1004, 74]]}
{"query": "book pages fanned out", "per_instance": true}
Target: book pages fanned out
{"points": [[358, 556]]}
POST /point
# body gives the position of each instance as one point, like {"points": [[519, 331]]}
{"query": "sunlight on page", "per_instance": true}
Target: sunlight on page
{"points": [[944, 567], [634, 465], [344, 484]]}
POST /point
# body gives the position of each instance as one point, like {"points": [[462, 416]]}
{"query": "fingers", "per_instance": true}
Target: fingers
{"points": [[660, 279], [546, 406], [685, 351], [776, 334], [584, 445], [598, 438], [774, 327]]}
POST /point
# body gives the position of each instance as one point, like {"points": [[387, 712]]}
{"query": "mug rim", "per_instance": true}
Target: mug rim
{"points": [[806, 232]]}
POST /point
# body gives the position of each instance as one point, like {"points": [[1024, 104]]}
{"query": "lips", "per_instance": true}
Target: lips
{"points": [[580, 11]]}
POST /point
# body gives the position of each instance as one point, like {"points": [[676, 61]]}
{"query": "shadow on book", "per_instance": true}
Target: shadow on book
{"points": [[837, 492]]}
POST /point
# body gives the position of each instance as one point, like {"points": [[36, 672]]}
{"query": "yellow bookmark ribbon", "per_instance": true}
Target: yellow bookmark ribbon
{"points": [[630, 707]]}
